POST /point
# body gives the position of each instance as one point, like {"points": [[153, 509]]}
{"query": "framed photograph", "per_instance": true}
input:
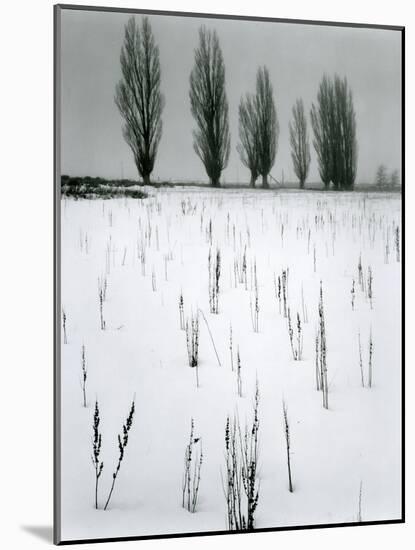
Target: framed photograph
{"points": [[229, 263]]}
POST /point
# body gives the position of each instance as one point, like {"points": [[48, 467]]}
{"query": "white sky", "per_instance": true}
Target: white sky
{"points": [[296, 56]]}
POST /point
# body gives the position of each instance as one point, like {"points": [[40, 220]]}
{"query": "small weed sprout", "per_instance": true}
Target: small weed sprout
{"points": [[362, 378], [166, 260], [209, 232], [291, 335], [153, 280], [288, 444], [387, 247], [284, 282], [370, 286], [214, 278], [299, 339], [217, 277], [297, 347], [360, 274], [96, 451], [102, 296], [103, 285], [317, 361], [244, 273], [65, 337], [370, 367], [353, 294], [101, 309], [277, 289], [84, 374], [122, 444], [192, 339], [238, 373], [181, 312], [255, 306], [323, 350], [235, 272], [210, 335], [143, 261], [397, 244], [192, 467]]}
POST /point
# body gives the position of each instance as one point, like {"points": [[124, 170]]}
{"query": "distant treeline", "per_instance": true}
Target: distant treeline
{"points": [[140, 102], [89, 187]]}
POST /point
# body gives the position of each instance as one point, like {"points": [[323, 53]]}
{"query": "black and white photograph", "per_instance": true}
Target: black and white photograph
{"points": [[229, 274]]}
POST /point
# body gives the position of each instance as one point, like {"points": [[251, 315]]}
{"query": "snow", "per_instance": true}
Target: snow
{"points": [[142, 354]]}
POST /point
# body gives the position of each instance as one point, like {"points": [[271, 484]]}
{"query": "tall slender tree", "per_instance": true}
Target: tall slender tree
{"points": [[248, 135], [334, 124], [209, 106], [268, 127], [345, 134], [138, 96], [300, 147], [320, 121]]}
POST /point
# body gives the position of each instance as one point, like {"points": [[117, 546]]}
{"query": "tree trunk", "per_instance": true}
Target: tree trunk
{"points": [[265, 183], [301, 184], [215, 182], [252, 182], [146, 179]]}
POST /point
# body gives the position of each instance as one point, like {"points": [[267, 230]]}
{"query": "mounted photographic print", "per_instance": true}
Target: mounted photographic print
{"points": [[229, 252]]}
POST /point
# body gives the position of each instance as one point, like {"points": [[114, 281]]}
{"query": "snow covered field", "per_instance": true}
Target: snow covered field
{"points": [[150, 251]]}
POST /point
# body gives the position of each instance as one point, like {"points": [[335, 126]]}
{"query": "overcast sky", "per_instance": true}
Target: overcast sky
{"points": [[296, 56]]}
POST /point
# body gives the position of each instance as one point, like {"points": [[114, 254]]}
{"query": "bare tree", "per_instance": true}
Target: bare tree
{"points": [[320, 121], [334, 124], [300, 147], [394, 179], [138, 96], [248, 135], [346, 143], [381, 176], [268, 127], [209, 105]]}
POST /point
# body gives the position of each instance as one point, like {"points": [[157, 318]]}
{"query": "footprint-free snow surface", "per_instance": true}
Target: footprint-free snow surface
{"points": [[125, 265]]}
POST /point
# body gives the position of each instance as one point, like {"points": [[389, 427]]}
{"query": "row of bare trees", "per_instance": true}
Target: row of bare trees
{"points": [[140, 102], [385, 179]]}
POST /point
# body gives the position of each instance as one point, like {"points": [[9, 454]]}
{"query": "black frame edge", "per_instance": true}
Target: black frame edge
{"points": [[57, 537], [229, 17], [403, 258], [226, 533]]}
